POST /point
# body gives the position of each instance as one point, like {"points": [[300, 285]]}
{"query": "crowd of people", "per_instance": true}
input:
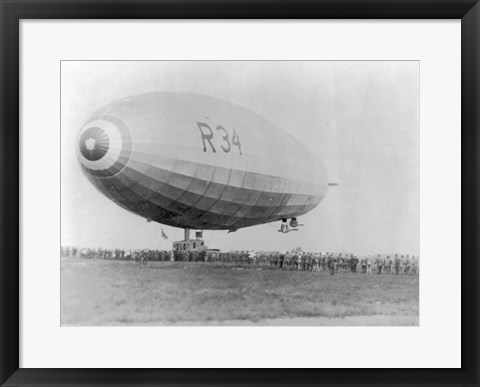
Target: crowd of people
{"points": [[295, 260]]}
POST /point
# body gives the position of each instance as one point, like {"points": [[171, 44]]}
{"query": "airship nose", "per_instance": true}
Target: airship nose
{"points": [[94, 143], [103, 146]]}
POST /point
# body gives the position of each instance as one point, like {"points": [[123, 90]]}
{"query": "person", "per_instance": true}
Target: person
{"points": [[331, 264], [274, 260], [299, 261], [172, 256], [402, 264], [316, 261], [354, 263], [251, 257], [414, 265], [397, 264], [406, 269], [388, 265], [145, 257], [306, 261], [287, 262], [364, 265], [310, 261], [379, 263], [369, 264]]}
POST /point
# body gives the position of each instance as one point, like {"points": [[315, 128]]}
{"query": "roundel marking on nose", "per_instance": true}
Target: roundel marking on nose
{"points": [[104, 146], [94, 143]]}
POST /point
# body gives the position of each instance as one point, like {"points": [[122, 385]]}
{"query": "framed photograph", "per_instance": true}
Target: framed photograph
{"points": [[284, 192]]}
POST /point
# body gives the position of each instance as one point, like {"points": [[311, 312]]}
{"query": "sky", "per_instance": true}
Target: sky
{"points": [[360, 118]]}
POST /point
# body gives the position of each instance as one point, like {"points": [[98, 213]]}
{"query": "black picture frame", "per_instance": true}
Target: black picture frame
{"points": [[13, 11]]}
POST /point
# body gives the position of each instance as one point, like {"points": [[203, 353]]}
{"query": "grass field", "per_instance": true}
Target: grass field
{"points": [[97, 292]]}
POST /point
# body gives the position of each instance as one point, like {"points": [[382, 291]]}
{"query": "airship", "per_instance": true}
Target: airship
{"points": [[197, 162]]}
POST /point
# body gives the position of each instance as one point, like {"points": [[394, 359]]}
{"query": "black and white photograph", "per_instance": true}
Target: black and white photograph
{"points": [[267, 193]]}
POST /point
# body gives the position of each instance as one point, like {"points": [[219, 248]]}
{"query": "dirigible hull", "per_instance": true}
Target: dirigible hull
{"points": [[198, 162]]}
